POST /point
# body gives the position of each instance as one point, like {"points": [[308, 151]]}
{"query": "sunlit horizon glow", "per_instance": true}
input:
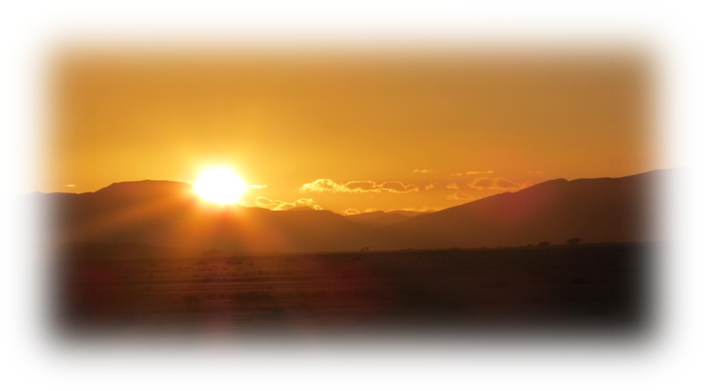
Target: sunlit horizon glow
{"points": [[220, 185], [378, 131]]}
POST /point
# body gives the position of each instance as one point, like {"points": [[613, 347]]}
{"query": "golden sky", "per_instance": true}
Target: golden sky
{"points": [[348, 130]]}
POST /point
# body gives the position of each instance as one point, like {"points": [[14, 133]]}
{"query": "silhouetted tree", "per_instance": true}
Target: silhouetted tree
{"points": [[573, 241], [544, 244]]}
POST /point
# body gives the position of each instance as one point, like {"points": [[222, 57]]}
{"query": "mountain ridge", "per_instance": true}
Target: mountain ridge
{"points": [[163, 213], [595, 209]]}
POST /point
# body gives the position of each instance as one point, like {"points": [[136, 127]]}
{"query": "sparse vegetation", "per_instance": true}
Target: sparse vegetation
{"points": [[452, 287]]}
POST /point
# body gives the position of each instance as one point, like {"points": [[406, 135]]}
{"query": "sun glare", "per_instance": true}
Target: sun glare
{"points": [[221, 185]]}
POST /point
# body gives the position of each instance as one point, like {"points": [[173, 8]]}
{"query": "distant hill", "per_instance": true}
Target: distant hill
{"points": [[301, 209], [169, 214], [594, 210], [381, 219]]}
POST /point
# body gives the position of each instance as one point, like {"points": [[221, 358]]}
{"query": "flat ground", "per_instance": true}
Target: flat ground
{"points": [[581, 287]]}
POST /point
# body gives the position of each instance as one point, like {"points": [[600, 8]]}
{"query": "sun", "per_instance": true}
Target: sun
{"points": [[221, 185]]}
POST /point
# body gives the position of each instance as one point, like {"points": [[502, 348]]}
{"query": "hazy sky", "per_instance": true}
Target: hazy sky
{"points": [[348, 131]]}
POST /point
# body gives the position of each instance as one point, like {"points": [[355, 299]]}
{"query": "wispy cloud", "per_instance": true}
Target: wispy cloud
{"points": [[357, 186], [482, 183], [421, 171], [459, 195], [350, 212], [256, 186], [473, 173], [397, 187], [327, 185], [265, 202], [422, 209], [71, 185], [497, 183]]}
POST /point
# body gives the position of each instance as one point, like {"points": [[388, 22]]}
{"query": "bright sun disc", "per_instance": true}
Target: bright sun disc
{"points": [[220, 185]]}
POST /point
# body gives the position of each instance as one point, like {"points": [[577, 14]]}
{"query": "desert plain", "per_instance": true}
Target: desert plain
{"points": [[563, 307]]}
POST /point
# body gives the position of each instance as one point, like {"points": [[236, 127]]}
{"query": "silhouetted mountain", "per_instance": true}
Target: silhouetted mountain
{"points": [[301, 209], [163, 213], [595, 210], [409, 213], [381, 219], [170, 214]]}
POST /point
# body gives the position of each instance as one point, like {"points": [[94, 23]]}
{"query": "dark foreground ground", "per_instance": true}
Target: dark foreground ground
{"points": [[583, 288]]}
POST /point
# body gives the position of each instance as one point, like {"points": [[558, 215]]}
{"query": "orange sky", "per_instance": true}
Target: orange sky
{"points": [[414, 130]]}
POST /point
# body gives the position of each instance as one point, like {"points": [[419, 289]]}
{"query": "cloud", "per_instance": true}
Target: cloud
{"points": [[350, 211], [265, 202], [504, 183], [497, 183], [353, 211], [473, 173], [422, 209], [429, 186], [327, 185], [397, 187], [421, 171], [453, 186], [320, 185], [459, 195], [482, 183], [71, 185], [256, 186], [359, 186]]}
